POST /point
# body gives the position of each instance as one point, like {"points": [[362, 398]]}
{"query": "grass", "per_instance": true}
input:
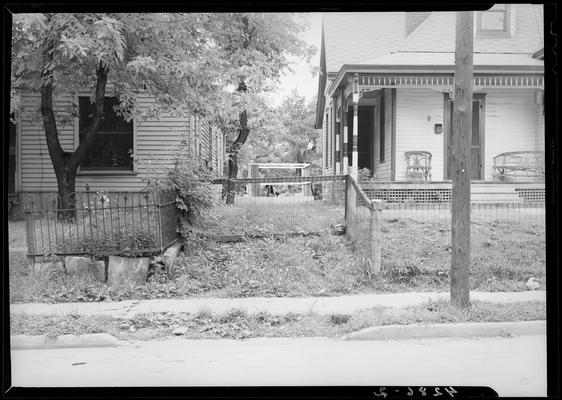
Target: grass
{"points": [[272, 215], [239, 325], [16, 234], [506, 249]]}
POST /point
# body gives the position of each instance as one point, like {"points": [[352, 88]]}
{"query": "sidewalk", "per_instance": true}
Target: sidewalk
{"points": [[272, 305]]}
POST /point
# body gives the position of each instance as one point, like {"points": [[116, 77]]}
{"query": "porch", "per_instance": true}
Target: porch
{"points": [[379, 118]]}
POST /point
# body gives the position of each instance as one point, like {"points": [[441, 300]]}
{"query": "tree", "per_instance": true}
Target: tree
{"points": [[299, 134], [215, 65], [58, 55], [284, 134], [462, 133], [258, 48]]}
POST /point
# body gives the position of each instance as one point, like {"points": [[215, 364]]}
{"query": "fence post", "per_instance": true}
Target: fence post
{"points": [[159, 220], [346, 185], [375, 230], [30, 234]]}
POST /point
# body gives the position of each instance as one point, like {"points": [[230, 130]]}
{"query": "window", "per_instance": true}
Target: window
{"points": [[494, 21], [112, 148]]}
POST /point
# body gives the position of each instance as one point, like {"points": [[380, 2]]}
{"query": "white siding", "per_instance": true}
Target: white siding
{"points": [[415, 132], [539, 109], [510, 123], [156, 141]]}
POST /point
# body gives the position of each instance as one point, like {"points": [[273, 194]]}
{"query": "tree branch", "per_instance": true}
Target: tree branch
{"points": [[51, 133]]}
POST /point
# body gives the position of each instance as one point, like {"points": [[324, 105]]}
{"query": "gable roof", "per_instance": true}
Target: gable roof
{"points": [[437, 34], [354, 38]]}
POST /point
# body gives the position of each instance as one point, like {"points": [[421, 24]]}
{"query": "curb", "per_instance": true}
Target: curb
{"points": [[469, 329], [22, 342]]}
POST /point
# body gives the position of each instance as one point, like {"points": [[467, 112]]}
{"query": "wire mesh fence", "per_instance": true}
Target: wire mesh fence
{"points": [[101, 223], [362, 217], [276, 206], [416, 224]]}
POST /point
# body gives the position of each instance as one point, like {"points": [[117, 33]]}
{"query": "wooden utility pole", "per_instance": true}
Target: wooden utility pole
{"points": [[461, 138]]}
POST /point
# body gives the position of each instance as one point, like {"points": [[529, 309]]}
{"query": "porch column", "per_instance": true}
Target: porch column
{"points": [[354, 155], [338, 155], [345, 158]]}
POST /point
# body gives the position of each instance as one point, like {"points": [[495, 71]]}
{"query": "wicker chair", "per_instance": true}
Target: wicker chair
{"points": [[418, 165]]}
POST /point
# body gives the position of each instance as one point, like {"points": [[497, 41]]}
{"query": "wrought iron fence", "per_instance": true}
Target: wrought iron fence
{"points": [[101, 223], [276, 206]]}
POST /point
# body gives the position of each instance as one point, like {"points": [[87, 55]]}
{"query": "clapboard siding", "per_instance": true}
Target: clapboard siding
{"points": [[539, 121], [156, 141], [414, 131], [510, 124]]}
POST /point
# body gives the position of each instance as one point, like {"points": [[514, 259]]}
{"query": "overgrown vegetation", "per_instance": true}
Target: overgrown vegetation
{"points": [[300, 266], [239, 325], [135, 243]]}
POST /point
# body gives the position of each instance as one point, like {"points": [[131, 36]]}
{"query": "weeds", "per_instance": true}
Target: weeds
{"points": [[237, 324]]}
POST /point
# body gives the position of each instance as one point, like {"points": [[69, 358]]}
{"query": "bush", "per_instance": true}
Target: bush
{"points": [[191, 181], [364, 174]]}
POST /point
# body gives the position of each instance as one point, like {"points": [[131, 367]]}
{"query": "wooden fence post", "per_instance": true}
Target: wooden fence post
{"points": [[375, 229]]}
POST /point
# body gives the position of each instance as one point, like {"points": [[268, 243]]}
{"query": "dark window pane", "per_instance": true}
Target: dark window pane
{"points": [[111, 122], [113, 143], [110, 151]]}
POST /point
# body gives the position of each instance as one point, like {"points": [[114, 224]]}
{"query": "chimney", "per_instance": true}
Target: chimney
{"points": [[414, 19]]}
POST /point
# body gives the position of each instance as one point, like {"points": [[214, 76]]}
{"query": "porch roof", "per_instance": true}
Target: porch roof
{"points": [[519, 71], [448, 59]]}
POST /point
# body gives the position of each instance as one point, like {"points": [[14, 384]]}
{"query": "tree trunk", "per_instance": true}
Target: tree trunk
{"points": [[243, 132], [65, 164], [462, 133]]}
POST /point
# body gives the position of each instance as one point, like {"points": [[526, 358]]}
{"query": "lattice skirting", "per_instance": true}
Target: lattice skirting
{"points": [[531, 194], [439, 195], [417, 195]]}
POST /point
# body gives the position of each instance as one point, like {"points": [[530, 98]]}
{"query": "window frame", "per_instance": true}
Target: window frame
{"points": [[107, 170], [495, 33]]}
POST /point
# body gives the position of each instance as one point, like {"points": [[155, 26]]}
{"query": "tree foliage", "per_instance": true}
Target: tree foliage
{"points": [[285, 134], [216, 65]]}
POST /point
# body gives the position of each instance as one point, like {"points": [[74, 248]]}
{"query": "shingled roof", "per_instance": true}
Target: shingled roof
{"points": [[354, 38], [374, 39], [437, 34]]}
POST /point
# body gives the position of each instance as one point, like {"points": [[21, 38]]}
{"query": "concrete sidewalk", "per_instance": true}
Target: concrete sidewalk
{"points": [[272, 305]]}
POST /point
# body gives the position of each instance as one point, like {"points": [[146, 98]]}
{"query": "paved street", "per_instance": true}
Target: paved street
{"points": [[512, 366]]}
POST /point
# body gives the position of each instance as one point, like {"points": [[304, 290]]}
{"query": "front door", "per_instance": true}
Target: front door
{"points": [[365, 131], [477, 140]]}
